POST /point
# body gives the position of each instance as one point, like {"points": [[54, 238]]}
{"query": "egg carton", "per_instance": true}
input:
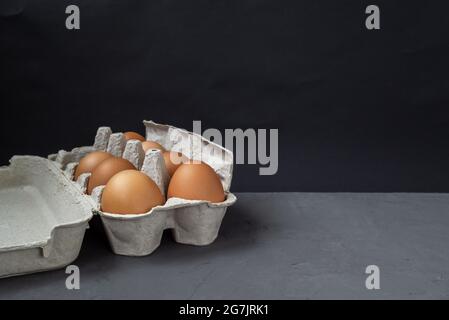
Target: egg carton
{"points": [[43, 217], [44, 214], [193, 222]]}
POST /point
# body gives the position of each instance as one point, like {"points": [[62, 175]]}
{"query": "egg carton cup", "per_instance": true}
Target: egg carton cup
{"points": [[192, 222], [43, 217]]}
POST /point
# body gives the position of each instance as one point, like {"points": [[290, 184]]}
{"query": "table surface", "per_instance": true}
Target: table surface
{"points": [[276, 246]]}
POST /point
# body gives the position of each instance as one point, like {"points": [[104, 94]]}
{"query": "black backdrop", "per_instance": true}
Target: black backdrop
{"points": [[356, 110]]}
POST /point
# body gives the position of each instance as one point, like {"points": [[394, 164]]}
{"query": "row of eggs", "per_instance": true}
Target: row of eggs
{"points": [[129, 191]]}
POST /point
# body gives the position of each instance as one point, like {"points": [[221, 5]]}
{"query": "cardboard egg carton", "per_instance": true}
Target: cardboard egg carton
{"points": [[194, 222], [44, 213], [43, 217]]}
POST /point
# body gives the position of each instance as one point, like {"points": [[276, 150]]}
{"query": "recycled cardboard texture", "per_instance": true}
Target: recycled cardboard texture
{"points": [[44, 213], [192, 222], [43, 217]]}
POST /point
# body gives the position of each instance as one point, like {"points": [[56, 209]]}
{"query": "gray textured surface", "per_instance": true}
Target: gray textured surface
{"points": [[277, 246]]}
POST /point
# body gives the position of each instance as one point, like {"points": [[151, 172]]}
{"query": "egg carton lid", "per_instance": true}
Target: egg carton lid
{"points": [[37, 202]]}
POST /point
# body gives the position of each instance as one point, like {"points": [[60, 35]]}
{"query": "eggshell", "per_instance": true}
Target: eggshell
{"points": [[147, 145], [131, 135], [90, 161], [173, 160], [105, 170], [130, 192], [196, 181]]}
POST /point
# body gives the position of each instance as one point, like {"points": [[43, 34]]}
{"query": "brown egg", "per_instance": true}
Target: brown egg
{"points": [[131, 135], [105, 170], [196, 181], [173, 160], [130, 192], [147, 145], [89, 162]]}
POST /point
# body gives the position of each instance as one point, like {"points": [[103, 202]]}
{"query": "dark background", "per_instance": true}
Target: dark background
{"points": [[357, 110]]}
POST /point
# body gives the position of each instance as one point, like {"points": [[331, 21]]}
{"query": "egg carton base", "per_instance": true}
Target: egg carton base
{"points": [[192, 222], [197, 225]]}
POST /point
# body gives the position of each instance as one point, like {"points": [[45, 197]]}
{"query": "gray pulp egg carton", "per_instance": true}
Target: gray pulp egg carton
{"points": [[191, 221], [43, 217], [44, 214]]}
